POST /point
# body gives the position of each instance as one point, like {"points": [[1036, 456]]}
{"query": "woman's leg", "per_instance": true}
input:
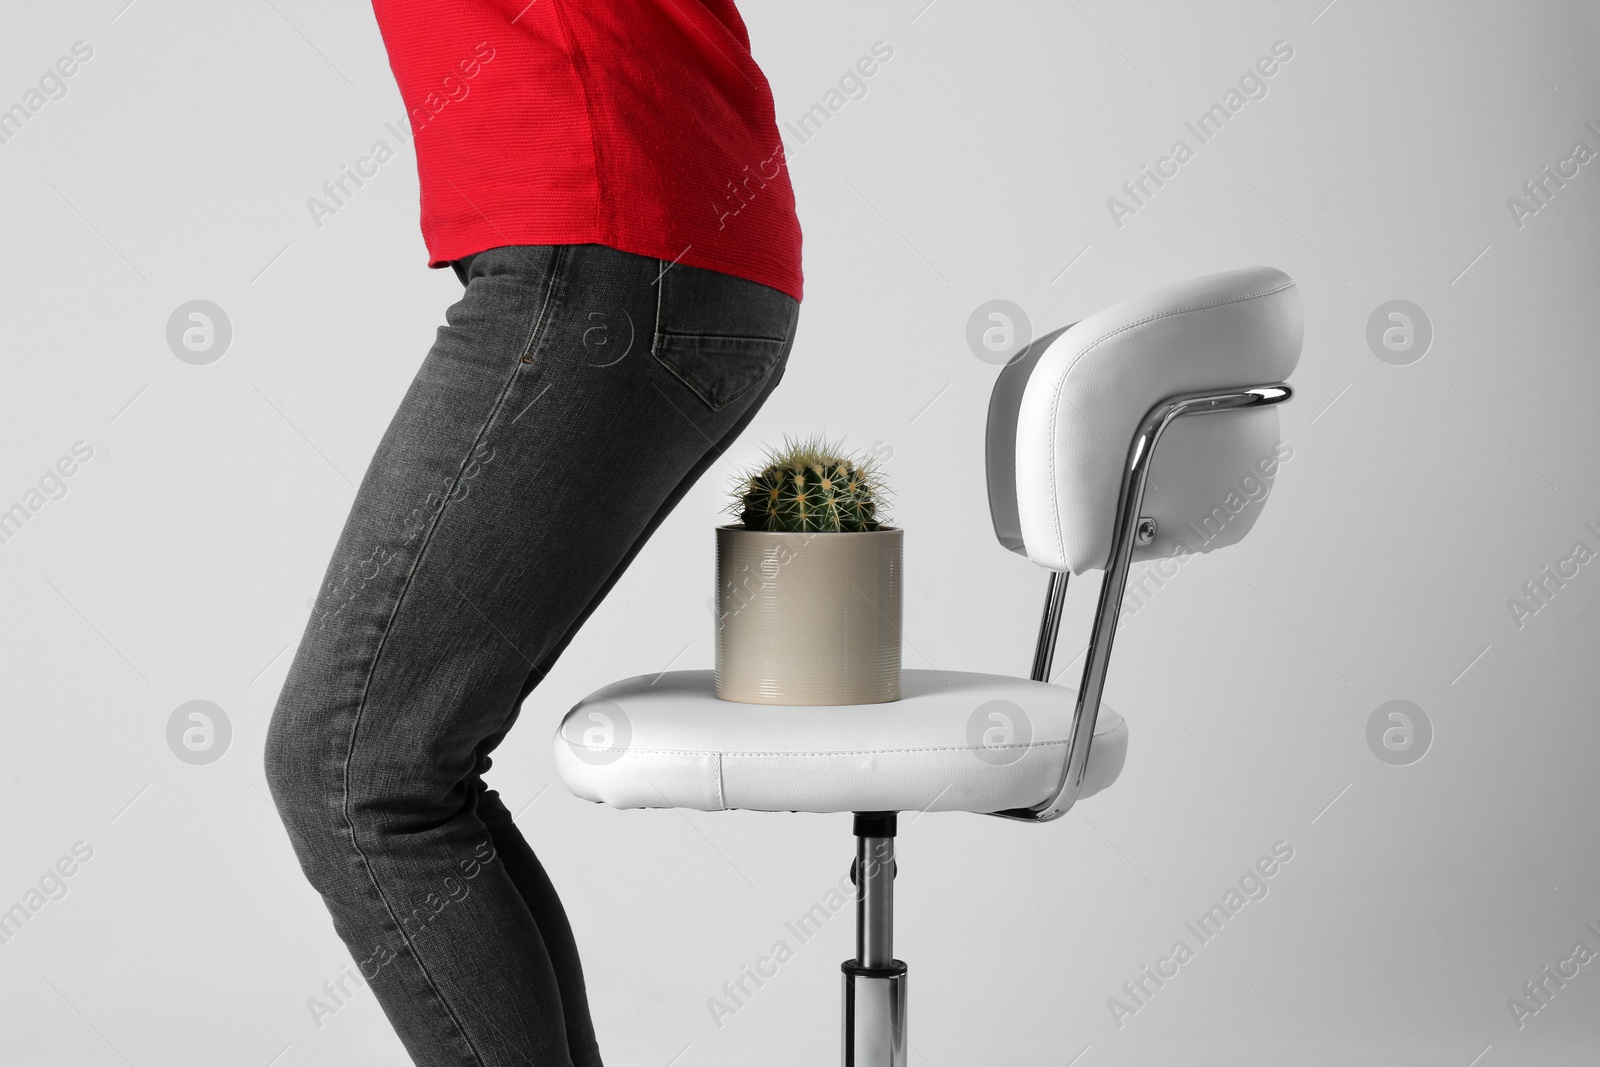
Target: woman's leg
{"points": [[526, 872], [525, 467]]}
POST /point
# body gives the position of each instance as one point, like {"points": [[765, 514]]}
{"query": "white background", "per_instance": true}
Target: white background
{"points": [[1420, 498]]}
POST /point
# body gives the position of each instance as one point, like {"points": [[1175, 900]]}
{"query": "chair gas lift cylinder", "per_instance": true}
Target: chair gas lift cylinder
{"points": [[1198, 368]]}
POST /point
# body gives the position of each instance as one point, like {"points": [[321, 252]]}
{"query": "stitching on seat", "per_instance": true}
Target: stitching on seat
{"points": [[722, 803], [722, 753], [1061, 384], [838, 752]]}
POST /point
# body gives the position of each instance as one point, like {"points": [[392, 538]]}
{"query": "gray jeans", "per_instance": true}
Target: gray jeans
{"points": [[574, 396]]}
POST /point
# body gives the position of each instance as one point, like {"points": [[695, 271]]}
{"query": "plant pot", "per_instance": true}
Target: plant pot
{"points": [[808, 618]]}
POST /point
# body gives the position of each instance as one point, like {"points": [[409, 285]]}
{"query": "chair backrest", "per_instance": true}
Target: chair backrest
{"points": [[1064, 412]]}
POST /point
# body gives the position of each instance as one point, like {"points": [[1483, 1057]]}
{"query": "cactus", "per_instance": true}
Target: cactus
{"points": [[810, 486]]}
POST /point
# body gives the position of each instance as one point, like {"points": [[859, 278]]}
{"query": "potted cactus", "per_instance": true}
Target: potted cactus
{"points": [[808, 583]]}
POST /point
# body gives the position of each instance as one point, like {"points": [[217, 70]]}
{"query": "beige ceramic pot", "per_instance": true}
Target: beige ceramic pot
{"points": [[808, 618]]}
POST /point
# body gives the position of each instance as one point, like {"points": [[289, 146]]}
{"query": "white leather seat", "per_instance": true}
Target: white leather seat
{"points": [[955, 741]]}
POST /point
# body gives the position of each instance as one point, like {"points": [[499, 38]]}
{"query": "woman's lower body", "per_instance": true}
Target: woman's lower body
{"points": [[574, 396]]}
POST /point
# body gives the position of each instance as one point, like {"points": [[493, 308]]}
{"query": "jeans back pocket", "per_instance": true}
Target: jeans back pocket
{"points": [[719, 334]]}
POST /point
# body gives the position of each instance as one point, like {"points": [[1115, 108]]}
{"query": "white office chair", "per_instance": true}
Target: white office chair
{"points": [[1074, 421]]}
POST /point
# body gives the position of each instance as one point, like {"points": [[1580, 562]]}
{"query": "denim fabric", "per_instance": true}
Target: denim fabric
{"points": [[574, 396]]}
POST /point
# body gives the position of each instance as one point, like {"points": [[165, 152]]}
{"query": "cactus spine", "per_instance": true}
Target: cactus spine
{"points": [[810, 486]]}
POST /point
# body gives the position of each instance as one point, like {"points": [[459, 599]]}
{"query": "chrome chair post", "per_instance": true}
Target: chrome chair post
{"points": [[874, 875], [873, 1017]]}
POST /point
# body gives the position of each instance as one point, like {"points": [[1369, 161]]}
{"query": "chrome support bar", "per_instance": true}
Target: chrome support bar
{"points": [[1044, 652], [1124, 536]]}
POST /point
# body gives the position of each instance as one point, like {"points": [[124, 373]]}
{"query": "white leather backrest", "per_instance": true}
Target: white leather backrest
{"points": [[1065, 410]]}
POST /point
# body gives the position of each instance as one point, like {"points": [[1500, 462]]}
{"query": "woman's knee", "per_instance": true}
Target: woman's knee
{"points": [[306, 792], [332, 779]]}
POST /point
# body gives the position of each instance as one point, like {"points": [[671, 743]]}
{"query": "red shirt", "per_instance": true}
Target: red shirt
{"points": [[643, 125]]}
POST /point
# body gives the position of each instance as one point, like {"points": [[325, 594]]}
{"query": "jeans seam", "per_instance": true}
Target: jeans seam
{"points": [[558, 262], [696, 335], [655, 333]]}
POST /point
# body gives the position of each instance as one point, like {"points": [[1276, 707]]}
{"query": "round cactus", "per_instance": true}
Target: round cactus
{"points": [[810, 486]]}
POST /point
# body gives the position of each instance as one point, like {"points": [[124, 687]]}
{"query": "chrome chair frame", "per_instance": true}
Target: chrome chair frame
{"points": [[873, 1017], [1130, 529]]}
